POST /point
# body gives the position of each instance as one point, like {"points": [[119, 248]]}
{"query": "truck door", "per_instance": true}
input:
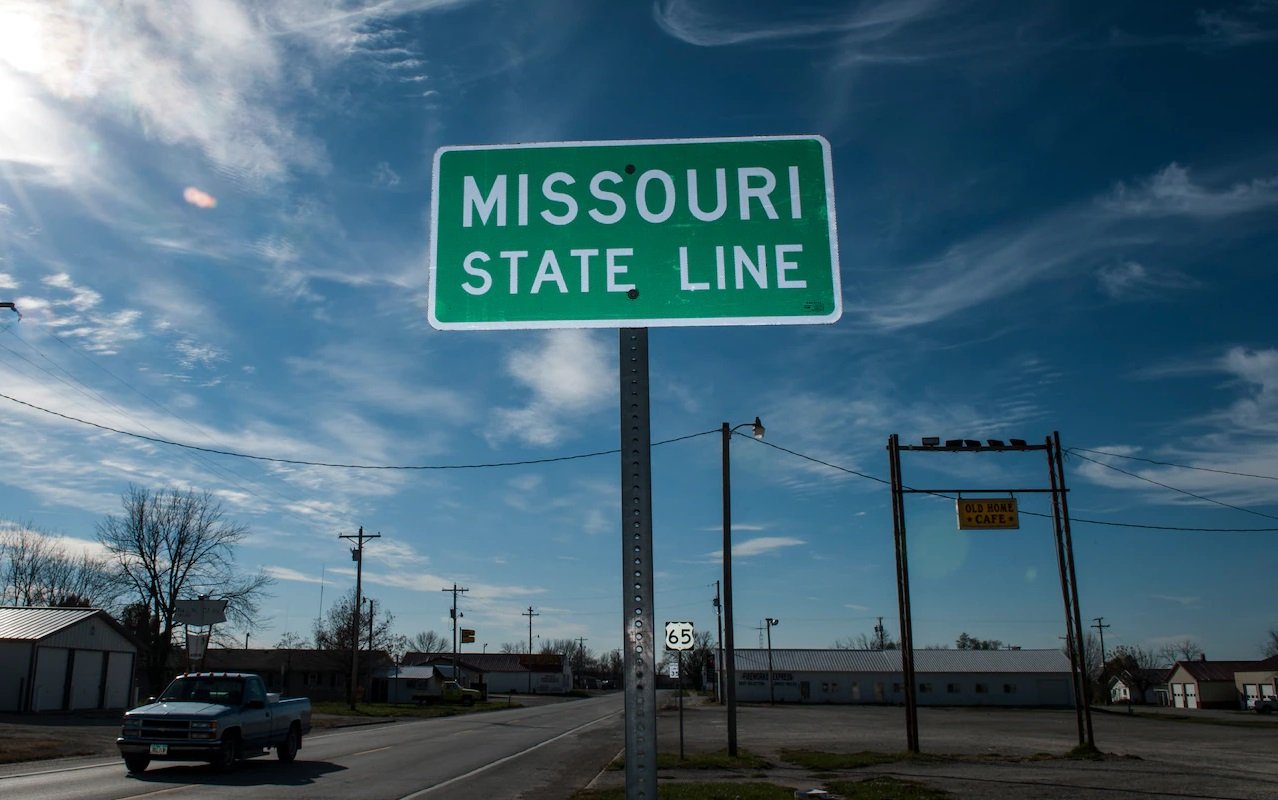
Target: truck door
{"points": [[255, 715]]}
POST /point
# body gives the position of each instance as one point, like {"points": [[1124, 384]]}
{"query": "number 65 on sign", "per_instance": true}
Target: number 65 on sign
{"points": [[679, 636]]}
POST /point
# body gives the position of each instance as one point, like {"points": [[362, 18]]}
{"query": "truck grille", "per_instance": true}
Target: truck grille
{"points": [[165, 729]]}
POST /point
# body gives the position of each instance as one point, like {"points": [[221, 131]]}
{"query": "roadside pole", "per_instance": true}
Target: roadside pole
{"points": [[636, 565]]}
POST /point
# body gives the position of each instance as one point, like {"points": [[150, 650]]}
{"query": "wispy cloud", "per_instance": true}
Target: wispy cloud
{"points": [[708, 23], [758, 546], [987, 269], [1171, 193], [1184, 601], [1130, 280], [567, 373]]}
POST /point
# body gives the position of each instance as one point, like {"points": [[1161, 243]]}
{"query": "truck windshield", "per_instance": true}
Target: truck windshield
{"points": [[222, 691]]}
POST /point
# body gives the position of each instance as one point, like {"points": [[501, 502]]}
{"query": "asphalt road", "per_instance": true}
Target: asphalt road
{"points": [[536, 753]]}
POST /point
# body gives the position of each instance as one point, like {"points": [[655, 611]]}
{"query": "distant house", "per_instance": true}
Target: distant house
{"points": [[317, 674], [533, 673], [944, 677], [410, 684], [1213, 684], [1257, 684], [1142, 687], [64, 659]]}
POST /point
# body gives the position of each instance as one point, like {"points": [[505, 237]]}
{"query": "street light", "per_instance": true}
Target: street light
{"points": [[729, 659], [771, 621]]}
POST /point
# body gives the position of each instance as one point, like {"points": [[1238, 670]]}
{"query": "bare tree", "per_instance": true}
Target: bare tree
{"points": [[1137, 667], [335, 630], [171, 545], [1093, 667], [292, 641], [512, 647], [37, 570], [1270, 646], [864, 641], [1182, 650], [430, 642]]}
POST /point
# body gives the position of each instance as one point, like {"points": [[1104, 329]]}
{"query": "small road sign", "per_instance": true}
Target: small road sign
{"points": [[634, 234], [679, 636], [199, 613], [987, 513]]}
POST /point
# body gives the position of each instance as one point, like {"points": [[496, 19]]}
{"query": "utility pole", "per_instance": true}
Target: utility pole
{"points": [[530, 614], [357, 555], [1101, 629], [453, 613], [718, 675], [878, 635], [581, 658]]}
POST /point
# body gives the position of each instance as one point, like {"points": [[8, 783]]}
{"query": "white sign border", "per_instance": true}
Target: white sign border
{"points": [[681, 322]]}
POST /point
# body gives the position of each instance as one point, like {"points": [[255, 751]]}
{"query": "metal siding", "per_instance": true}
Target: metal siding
{"points": [[88, 634], [15, 661]]}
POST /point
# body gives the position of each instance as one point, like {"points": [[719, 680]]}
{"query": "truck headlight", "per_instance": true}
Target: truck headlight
{"points": [[202, 729]]}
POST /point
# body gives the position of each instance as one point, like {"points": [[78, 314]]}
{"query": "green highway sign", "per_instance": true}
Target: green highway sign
{"points": [[634, 234]]}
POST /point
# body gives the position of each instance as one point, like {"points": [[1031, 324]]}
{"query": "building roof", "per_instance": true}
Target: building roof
{"points": [[291, 660], [889, 661], [1202, 670], [493, 662], [36, 622]]}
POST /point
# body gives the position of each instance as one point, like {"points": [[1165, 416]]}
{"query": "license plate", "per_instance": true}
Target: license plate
{"points": [[159, 749]]}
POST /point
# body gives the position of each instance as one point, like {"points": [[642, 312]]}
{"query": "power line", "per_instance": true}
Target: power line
{"points": [[1174, 489], [302, 462], [594, 454], [1170, 464]]}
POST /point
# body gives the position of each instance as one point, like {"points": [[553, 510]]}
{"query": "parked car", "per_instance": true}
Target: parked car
{"points": [[215, 717]]}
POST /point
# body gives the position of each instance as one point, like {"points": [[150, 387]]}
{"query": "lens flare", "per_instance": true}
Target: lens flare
{"points": [[199, 198]]}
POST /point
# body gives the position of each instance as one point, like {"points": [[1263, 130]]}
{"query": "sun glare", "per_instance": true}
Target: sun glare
{"points": [[22, 42], [21, 53]]}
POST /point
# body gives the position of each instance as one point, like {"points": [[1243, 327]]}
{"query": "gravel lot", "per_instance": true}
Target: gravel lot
{"points": [[1203, 754]]}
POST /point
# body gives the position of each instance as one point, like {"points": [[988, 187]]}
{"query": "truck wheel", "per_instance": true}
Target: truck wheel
{"points": [[136, 763], [229, 754], [286, 750]]}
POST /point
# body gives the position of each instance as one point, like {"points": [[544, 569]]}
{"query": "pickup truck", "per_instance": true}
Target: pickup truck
{"points": [[448, 692], [215, 717]]}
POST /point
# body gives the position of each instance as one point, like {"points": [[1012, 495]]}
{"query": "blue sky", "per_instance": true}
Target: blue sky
{"points": [[214, 217]]}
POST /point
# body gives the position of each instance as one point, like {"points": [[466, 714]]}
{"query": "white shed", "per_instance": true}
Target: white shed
{"points": [[64, 659], [945, 677]]}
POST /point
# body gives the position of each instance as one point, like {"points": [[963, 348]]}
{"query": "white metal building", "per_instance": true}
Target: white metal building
{"points": [[64, 659], [945, 677]]}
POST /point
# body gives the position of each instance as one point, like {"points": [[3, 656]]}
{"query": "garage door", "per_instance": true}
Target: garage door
{"points": [[86, 679], [1053, 692], [1191, 695], [119, 673], [1178, 695]]}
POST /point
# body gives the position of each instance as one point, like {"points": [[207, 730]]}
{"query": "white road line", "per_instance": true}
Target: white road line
{"points": [[61, 769], [374, 750], [500, 761], [158, 791]]}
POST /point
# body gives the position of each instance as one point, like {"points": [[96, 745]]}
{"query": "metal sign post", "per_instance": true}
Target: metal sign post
{"points": [[638, 636]]}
